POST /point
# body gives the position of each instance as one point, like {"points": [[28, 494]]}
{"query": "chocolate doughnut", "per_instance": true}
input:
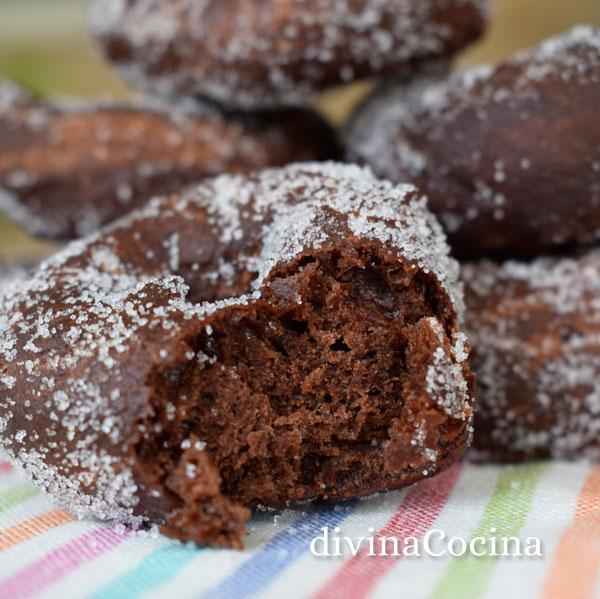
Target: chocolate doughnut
{"points": [[269, 339], [535, 331], [67, 169], [275, 52], [508, 156]]}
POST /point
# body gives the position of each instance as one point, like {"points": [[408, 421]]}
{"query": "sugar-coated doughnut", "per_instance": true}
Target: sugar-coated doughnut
{"points": [[535, 332], [508, 156], [270, 52], [262, 339], [67, 168]]}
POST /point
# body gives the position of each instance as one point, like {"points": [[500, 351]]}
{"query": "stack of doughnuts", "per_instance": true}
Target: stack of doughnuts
{"points": [[278, 335], [228, 84], [509, 157], [261, 338]]}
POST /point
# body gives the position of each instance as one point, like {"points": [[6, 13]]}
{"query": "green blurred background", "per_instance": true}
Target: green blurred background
{"points": [[44, 45]]}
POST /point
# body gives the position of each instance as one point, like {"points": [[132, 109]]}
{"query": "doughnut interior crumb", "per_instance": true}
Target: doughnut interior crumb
{"points": [[312, 391]]}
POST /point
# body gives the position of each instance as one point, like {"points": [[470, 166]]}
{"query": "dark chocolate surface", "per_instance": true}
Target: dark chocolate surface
{"points": [[535, 332], [67, 169], [508, 156]]}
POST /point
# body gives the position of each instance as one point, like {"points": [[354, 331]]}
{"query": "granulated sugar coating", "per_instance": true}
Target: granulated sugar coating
{"points": [[258, 340], [67, 168], [535, 330], [276, 51], [508, 156]]}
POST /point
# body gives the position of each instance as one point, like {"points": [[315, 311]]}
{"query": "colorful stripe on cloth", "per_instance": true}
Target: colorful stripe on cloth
{"points": [[553, 507], [45, 553], [575, 572], [504, 516], [414, 517], [277, 555], [37, 525], [5, 467], [16, 495], [33, 578], [153, 571]]}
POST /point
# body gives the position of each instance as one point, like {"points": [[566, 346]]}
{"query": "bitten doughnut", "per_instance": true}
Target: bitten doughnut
{"points": [[508, 156], [67, 169], [535, 332], [268, 339], [275, 52]]}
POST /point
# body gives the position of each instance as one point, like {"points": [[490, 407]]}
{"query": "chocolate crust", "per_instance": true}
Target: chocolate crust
{"points": [[508, 156], [535, 331], [67, 169], [282, 337], [276, 52]]}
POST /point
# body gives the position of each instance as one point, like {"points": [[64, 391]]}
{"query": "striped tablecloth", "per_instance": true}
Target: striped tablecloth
{"points": [[45, 553]]}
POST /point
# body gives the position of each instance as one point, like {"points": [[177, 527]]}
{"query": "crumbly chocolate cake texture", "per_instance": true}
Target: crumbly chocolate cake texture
{"points": [[276, 51], [255, 340], [509, 156], [68, 167], [535, 331]]}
